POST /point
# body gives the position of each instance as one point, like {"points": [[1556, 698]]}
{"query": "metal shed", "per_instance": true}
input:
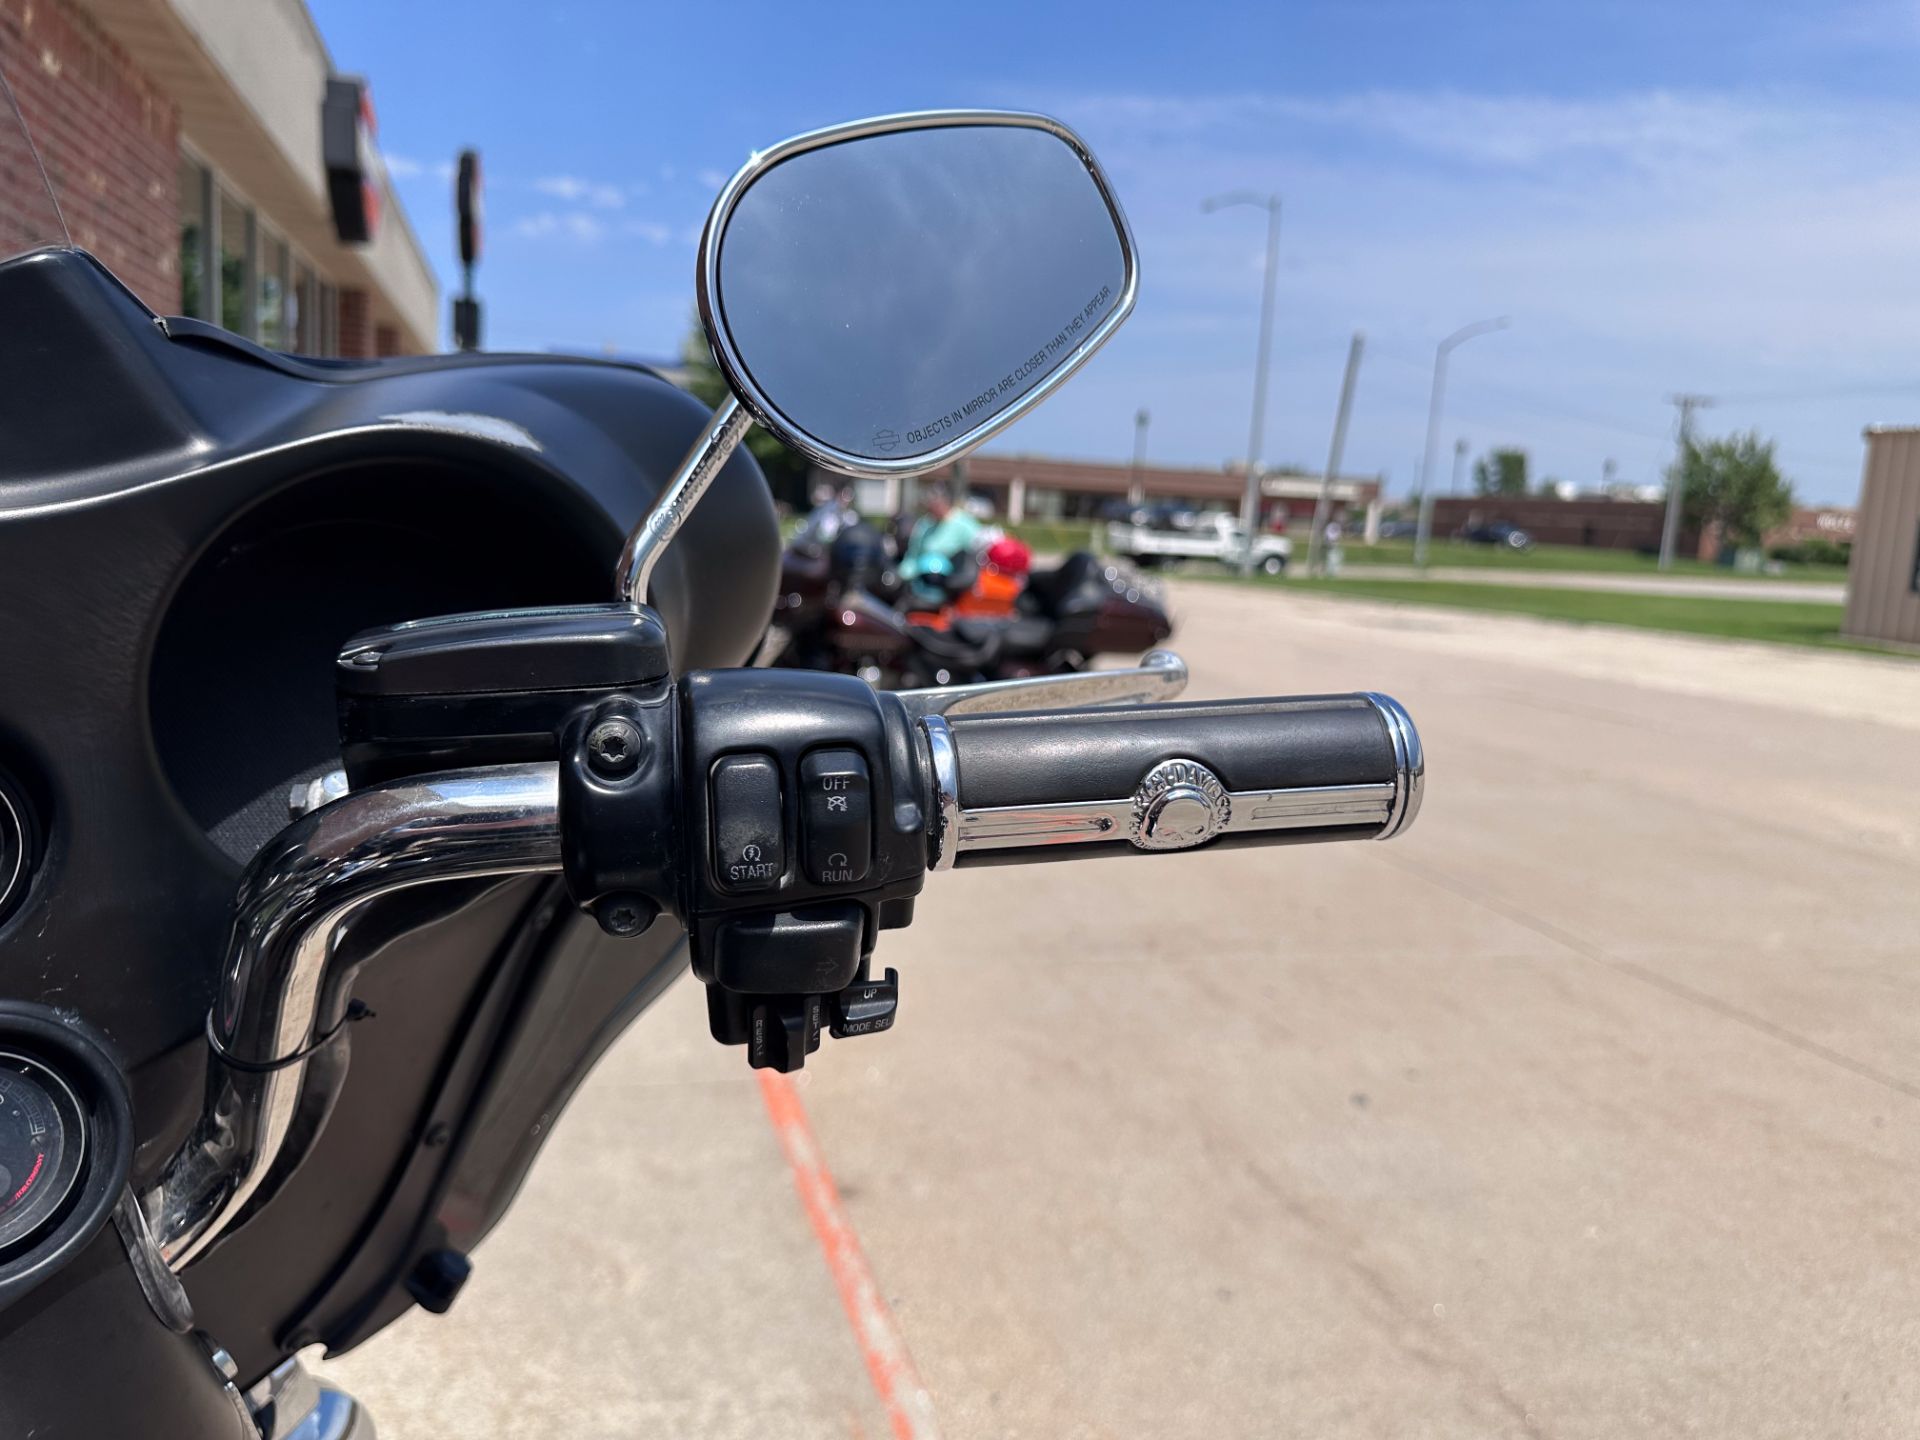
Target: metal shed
{"points": [[1883, 583]]}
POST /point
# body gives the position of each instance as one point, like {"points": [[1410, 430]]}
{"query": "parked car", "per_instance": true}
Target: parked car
{"points": [[1399, 529], [1498, 532], [1214, 537]]}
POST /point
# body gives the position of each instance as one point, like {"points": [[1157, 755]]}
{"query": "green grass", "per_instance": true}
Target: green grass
{"points": [[1458, 555], [1784, 622], [1055, 536]]}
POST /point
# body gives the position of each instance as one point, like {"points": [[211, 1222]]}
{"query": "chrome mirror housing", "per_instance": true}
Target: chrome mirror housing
{"points": [[885, 295]]}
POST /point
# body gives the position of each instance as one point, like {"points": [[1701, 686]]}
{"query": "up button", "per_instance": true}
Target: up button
{"points": [[836, 816]]}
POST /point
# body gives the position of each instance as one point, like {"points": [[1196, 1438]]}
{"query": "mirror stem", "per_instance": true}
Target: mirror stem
{"points": [[720, 437]]}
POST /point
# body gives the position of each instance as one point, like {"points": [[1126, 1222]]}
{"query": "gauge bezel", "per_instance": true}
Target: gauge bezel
{"points": [[64, 1184], [19, 846], [73, 1051]]}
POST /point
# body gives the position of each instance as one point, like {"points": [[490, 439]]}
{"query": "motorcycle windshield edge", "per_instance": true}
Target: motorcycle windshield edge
{"points": [[29, 215]]}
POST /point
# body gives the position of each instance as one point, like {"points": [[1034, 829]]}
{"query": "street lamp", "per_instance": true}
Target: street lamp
{"points": [[1440, 354], [1250, 502], [1136, 490]]}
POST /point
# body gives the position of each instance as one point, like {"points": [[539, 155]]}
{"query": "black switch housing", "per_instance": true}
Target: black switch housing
{"points": [[758, 744]]}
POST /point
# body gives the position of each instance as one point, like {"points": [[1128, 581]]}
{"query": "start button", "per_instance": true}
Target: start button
{"points": [[749, 828]]}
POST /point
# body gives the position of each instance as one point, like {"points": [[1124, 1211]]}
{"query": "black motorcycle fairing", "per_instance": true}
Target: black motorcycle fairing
{"points": [[82, 1358], [175, 599], [189, 528]]}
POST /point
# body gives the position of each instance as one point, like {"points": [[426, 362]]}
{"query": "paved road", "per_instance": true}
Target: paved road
{"points": [[1733, 587], [1589, 1109]]}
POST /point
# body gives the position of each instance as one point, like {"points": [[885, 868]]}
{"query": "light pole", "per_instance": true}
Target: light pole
{"points": [[1136, 492], [1250, 501], [1440, 354], [1323, 501]]}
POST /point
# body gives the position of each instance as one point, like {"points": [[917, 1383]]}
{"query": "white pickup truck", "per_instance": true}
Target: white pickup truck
{"points": [[1212, 537]]}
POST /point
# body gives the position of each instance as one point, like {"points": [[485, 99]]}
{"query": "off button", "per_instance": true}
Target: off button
{"points": [[749, 832], [836, 817]]}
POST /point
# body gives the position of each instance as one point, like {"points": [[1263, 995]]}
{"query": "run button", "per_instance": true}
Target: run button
{"points": [[836, 815]]}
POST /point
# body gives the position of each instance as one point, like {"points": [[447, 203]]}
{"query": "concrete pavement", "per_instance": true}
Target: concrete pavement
{"points": [[1587, 1109], [1733, 587]]}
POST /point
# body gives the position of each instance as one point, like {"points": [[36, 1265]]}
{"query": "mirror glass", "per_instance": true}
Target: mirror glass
{"points": [[896, 294]]}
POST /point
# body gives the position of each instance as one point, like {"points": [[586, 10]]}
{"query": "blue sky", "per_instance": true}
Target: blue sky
{"points": [[1715, 197]]}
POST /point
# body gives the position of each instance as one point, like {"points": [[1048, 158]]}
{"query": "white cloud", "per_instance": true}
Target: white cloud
{"points": [[712, 179], [1651, 130], [574, 225], [574, 190], [1643, 243], [651, 231], [406, 167]]}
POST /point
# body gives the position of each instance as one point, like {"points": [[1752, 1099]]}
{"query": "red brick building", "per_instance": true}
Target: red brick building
{"points": [[1038, 487], [1623, 524], [1598, 524], [183, 140]]}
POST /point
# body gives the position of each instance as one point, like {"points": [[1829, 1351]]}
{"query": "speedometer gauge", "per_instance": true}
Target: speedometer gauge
{"points": [[43, 1141]]}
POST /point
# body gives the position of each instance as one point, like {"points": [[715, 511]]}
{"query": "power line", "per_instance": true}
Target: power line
{"points": [[1525, 403], [1528, 404], [1834, 392]]}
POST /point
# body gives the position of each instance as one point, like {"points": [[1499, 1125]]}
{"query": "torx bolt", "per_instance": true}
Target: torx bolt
{"points": [[613, 748], [625, 915]]}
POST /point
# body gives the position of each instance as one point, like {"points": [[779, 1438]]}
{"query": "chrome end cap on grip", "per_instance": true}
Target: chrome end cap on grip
{"points": [[1409, 765], [945, 765]]}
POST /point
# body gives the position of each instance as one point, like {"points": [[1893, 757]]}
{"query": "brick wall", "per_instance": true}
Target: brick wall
{"points": [[110, 142], [1827, 522], [356, 325], [1599, 524], [386, 340]]}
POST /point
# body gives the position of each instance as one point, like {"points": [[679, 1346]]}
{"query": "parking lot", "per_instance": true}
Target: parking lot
{"points": [[1587, 1109]]}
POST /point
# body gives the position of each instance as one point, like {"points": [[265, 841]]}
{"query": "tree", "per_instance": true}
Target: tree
{"points": [[1502, 472], [785, 470], [1735, 484]]}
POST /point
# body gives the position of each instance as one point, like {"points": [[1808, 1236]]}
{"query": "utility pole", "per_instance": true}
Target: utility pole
{"points": [[1445, 348], [1137, 492], [1459, 462], [467, 212], [1677, 481], [1250, 501], [1335, 450]]}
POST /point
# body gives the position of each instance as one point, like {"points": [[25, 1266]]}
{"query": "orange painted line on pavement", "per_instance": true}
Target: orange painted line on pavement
{"points": [[909, 1408]]}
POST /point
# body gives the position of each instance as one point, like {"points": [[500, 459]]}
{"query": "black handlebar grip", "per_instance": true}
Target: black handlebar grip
{"points": [[1055, 785]]}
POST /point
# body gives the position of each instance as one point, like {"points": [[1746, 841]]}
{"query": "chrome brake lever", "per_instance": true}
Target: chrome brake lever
{"points": [[1160, 675]]}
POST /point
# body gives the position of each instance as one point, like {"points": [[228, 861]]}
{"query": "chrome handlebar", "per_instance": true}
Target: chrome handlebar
{"points": [[278, 1031], [278, 1016]]}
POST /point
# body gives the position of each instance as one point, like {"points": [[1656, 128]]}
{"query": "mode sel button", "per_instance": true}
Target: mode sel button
{"points": [[749, 835], [836, 817]]}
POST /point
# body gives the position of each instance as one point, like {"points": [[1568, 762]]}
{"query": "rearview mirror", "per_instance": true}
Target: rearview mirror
{"points": [[885, 295]]}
